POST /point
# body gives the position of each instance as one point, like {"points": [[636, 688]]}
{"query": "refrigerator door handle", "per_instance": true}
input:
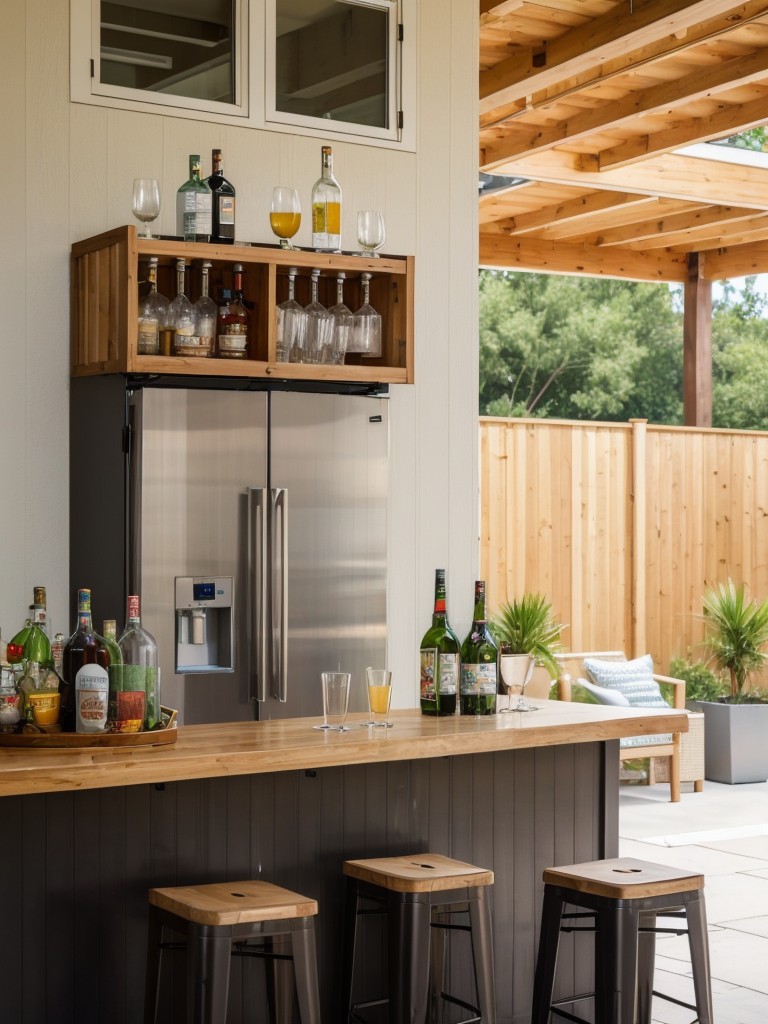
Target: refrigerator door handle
{"points": [[279, 582], [258, 515]]}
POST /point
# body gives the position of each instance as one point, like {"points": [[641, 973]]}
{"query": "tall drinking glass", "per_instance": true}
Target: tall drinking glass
{"points": [[379, 686], [335, 700]]}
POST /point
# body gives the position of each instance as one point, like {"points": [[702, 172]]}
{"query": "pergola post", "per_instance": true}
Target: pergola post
{"points": [[697, 346]]}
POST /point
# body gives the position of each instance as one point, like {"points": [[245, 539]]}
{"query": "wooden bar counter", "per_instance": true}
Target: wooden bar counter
{"points": [[85, 833]]}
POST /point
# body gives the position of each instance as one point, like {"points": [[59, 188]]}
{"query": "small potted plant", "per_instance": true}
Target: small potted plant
{"points": [[527, 634], [736, 725]]}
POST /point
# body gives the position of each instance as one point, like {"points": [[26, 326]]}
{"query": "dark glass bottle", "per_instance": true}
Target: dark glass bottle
{"points": [[439, 659], [223, 212], [479, 663], [85, 664]]}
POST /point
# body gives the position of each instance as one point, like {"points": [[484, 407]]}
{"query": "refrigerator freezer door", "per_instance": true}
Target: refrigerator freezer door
{"points": [[330, 453], [199, 453]]}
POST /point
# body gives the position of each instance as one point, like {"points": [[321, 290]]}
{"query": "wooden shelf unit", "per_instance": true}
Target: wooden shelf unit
{"points": [[109, 271]]}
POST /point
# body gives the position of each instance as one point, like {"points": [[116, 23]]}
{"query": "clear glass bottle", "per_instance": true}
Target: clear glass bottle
{"points": [[289, 325], [319, 328], [153, 312], [232, 320], [194, 205], [114, 672], [366, 333], [326, 207], [205, 311], [439, 659], [479, 663], [141, 674], [182, 317], [343, 323], [222, 203], [84, 688]]}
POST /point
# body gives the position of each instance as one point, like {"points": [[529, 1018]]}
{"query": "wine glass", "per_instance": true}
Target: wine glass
{"points": [[370, 231], [285, 214], [145, 202], [516, 672]]}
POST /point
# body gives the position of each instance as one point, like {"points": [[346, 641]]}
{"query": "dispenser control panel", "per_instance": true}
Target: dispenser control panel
{"points": [[203, 592]]}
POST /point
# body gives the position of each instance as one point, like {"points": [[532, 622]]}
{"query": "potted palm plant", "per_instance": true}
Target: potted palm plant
{"points": [[528, 635], [736, 725]]}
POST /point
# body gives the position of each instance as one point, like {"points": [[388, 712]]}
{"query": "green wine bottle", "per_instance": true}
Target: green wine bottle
{"points": [[439, 658], [479, 662]]}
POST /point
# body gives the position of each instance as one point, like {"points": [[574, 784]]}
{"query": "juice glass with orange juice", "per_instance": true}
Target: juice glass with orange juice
{"points": [[379, 686]]}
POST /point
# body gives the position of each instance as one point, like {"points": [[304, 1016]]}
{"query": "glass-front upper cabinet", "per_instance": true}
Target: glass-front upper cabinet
{"points": [[329, 68], [335, 64]]}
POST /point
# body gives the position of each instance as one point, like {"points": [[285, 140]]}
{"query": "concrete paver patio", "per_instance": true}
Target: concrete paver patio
{"points": [[722, 832]]}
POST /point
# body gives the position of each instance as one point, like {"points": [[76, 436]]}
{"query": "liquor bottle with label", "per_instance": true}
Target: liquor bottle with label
{"points": [[141, 675], [194, 205], [233, 320], [439, 657], [326, 207], [114, 672], [223, 203], [205, 316], [181, 317], [153, 313], [85, 677], [479, 663]]}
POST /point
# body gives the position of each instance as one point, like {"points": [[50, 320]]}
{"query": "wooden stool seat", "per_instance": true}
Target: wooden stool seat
{"points": [[622, 898], [225, 919], [425, 897], [624, 878], [232, 903], [420, 872]]}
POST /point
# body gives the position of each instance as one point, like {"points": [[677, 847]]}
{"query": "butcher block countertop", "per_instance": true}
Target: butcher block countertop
{"points": [[244, 748]]}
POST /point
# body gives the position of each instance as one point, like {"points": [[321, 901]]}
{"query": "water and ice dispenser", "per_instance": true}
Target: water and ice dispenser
{"points": [[204, 624]]}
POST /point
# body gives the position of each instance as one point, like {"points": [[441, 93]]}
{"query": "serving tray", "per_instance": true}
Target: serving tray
{"points": [[155, 738]]}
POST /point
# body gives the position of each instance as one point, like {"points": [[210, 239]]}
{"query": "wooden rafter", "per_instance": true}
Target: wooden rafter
{"points": [[697, 222], [570, 210]]}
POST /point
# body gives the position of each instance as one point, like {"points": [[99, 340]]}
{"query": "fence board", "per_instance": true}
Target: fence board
{"points": [[557, 516]]}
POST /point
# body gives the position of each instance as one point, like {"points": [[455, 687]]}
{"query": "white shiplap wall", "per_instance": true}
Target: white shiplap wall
{"points": [[69, 169]]}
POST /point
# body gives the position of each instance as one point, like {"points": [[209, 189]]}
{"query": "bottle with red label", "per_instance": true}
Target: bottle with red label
{"points": [[85, 674], [233, 320]]}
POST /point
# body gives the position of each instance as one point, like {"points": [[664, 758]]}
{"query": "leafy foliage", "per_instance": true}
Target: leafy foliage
{"points": [[737, 630], [595, 349], [701, 683], [527, 626]]}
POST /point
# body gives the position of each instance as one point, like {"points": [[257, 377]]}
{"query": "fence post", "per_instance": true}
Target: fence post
{"points": [[637, 538]]}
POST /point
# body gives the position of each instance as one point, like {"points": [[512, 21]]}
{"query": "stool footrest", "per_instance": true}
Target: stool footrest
{"points": [[568, 1016], [677, 1002]]}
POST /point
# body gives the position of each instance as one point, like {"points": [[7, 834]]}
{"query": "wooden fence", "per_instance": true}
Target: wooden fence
{"points": [[622, 525]]}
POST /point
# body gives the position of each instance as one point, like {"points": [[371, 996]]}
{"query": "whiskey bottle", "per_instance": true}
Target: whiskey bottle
{"points": [[153, 312], [223, 203], [232, 323], [181, 317], [205, 316]]}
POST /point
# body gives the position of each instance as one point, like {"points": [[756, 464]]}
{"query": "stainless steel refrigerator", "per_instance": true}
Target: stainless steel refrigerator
{"points": [[253, 526]]}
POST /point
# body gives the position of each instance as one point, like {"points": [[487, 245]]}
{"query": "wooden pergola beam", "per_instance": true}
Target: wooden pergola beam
{"points": [[613, 35], [736, 261], [697, 345], [569, 212], [699, 221]]}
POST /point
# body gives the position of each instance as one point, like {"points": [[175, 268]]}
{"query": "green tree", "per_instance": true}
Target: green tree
{"points": [[578, 348]]}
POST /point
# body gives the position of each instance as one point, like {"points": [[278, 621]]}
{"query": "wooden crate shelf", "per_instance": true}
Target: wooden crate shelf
{"points": [[109, 272]]}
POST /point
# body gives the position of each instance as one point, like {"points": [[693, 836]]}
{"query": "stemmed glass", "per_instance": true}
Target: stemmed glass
{"points": [[145, 202], [516, 676], [291, 321], [370, 231], [343, 323], [285, 214], [366, 331], [318, 328]]}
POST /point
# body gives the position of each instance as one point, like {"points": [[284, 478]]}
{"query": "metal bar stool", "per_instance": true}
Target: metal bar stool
{"points": [[420, 894], [218, 920], [621, 898]]}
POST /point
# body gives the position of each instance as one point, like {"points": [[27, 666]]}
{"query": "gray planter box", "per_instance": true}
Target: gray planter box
{"points": [[736, 748]]}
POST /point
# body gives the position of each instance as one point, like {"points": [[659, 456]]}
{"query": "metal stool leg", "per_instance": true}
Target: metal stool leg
{"points": [[546, 960], [482, 953], [349, 938], [699, 946], [437, 946], [616, 950], [154, 953], [208, 957], [646, 962], [305, 969], [409, 915]]}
